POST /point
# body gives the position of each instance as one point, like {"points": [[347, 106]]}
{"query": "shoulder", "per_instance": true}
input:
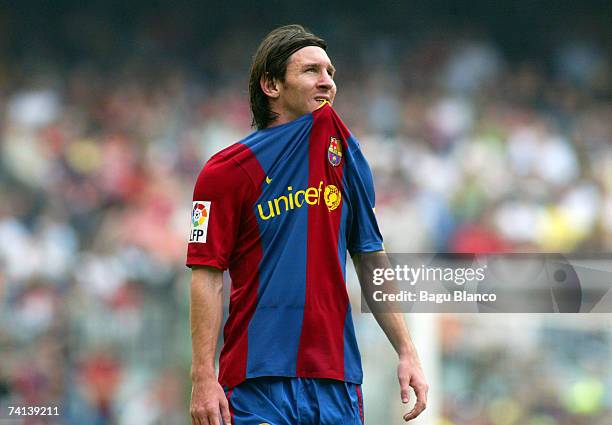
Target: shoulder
{"points": [[223, 162], [225, 170]]}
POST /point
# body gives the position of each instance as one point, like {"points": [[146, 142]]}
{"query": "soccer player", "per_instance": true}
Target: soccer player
{"points": [[279, 210]]}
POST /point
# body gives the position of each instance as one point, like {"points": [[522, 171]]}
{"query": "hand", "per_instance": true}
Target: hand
{"points": [[410, 374], [208, 403]]}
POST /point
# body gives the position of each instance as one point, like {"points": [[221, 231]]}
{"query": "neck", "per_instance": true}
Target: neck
{"points": [[281, 118]]}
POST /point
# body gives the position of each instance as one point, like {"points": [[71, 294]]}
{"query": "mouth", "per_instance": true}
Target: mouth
{"points": [[322, 99]]}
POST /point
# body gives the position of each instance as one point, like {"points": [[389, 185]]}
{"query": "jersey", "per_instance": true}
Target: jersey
{"points": [[279, 210]]}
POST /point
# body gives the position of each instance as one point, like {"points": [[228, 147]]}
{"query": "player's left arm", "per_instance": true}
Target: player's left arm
{"points": [[409, 371]]}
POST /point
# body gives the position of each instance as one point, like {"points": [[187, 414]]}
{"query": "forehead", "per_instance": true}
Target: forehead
{"points": [[309, 55]]}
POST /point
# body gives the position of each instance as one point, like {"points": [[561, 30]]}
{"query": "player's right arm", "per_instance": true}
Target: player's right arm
{"points": [[208, 401], [219, 197]]}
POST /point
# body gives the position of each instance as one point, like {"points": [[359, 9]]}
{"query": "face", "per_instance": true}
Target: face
{"points": [[308, 82]]}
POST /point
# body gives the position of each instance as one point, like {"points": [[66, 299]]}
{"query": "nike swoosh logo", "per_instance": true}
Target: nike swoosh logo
{"points": [[268, 180]]}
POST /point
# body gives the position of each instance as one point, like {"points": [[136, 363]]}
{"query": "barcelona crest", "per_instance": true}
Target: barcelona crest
{"points": [[334, 151]]}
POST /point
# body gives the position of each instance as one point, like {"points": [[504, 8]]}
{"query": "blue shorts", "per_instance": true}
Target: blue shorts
{"points": [[295, 401]]}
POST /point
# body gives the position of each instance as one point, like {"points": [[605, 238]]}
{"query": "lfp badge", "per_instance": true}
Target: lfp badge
{"points": [[334, 151], [200, 216]]}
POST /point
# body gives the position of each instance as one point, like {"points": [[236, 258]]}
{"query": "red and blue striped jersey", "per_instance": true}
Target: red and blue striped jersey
{"points": [[279, 210]]}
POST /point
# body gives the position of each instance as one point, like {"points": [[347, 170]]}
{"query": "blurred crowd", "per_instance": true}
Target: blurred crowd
{"points": [[545, 374], [471, 152]]}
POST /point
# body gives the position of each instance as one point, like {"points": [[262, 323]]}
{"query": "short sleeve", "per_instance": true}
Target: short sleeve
{"points": [[218, 200], [364, 234]]}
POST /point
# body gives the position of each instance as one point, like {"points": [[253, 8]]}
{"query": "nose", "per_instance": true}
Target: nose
{"points": [[326, 81]]}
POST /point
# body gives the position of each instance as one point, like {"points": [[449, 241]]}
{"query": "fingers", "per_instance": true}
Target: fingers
{"points": [[421, 394], [204, 417], [196, 420], [225, 412], [404, 389], [200, 420], [209, 405], [213, 419], [416, 411], [421, 402]]}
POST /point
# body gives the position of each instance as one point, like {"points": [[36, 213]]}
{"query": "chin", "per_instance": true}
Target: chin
{"points": [[315, 106]]}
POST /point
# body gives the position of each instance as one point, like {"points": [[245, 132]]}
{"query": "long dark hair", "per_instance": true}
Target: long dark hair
{"points": [[270, 61]]}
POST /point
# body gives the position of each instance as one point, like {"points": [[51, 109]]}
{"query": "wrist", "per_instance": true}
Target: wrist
{"points": [[199, 374], [408, 353]]}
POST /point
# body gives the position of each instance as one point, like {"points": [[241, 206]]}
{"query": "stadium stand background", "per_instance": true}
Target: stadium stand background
{"points": [[487, 126]]}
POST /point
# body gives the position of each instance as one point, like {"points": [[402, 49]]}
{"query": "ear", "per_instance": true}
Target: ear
{"points": [[269, 86]]}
